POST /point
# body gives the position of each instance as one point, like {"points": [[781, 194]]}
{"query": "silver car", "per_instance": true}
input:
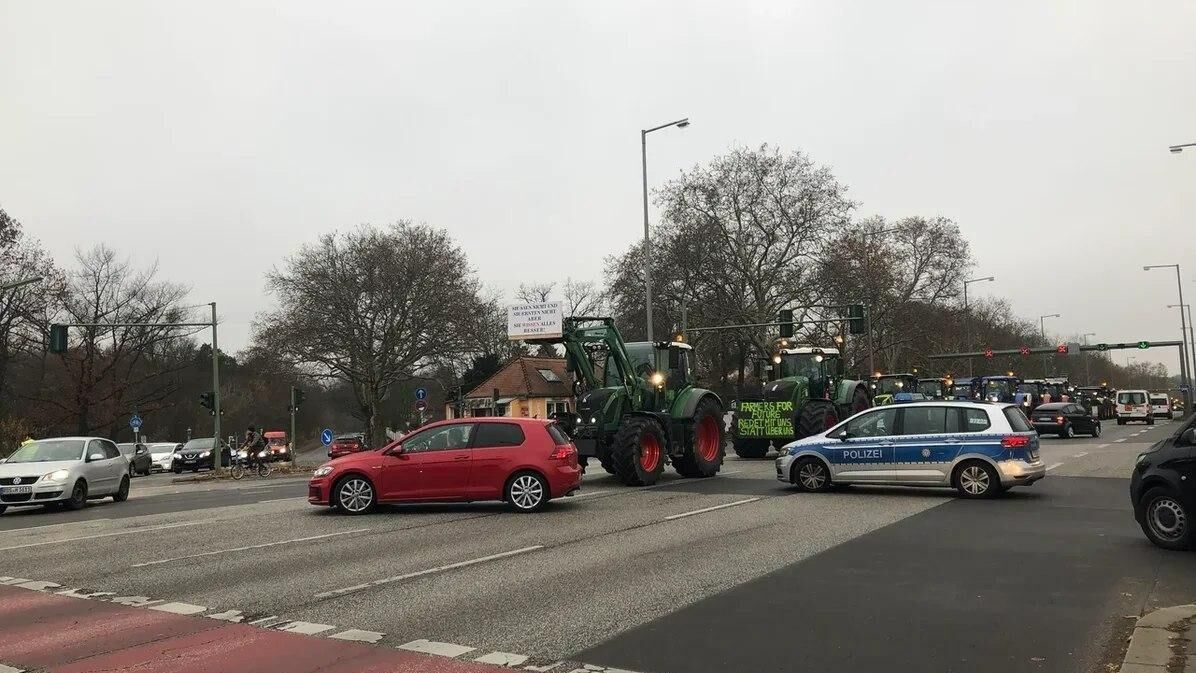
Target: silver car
{"points": [[66, 470], [162, 454]]}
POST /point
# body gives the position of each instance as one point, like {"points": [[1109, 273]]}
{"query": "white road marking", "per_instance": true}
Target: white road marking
{"points": [[39, 585], [359, 635], [1102, 446], [267, 622], [74, 593], [14, 580], [254, 546], [179, 608], [501, 659], [433, 647], [233, 616], [294, 497], [136, 601], [1080, 454], [711, 509], [10, 669], [1053, 466], [429, 571], [306, 628], [1120, 440], [99, 535]]}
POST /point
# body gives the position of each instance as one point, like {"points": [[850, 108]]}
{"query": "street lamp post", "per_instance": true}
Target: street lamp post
{"points": [[1191, 336], [1087, 358], [967, 318], [1042, 329], [680, 123], [1184, 370]]}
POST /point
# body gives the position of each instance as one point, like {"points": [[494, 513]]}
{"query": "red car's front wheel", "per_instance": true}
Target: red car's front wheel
{"points": [[354, 495]]}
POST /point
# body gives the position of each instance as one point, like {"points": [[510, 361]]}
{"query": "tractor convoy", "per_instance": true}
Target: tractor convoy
{"points": [[638, 407]]}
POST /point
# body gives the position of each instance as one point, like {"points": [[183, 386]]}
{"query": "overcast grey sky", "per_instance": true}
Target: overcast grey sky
{"points": [[180, 131]]}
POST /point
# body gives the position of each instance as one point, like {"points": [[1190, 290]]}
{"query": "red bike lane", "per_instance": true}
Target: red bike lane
{"points": [[50, 632]]}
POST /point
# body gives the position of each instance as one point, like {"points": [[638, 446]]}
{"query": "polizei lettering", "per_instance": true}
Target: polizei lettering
{"points": [[861, 454]]}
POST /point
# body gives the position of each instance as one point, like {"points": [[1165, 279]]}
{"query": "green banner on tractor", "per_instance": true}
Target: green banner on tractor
{"points": [[765, 419]]}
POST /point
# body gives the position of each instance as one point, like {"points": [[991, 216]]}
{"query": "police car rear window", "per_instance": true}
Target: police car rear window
{"points": [[1017, 420]]}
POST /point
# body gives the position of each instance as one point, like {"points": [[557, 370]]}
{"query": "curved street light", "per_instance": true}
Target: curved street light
{"points": [[680, 123]]}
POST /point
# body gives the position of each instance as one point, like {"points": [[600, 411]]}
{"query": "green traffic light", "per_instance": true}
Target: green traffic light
{"points": [[1143, 344]]}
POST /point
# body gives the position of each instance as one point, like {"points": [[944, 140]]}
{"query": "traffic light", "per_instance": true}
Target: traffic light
{"points": [[297, 398], [1102, 347], [1143, 345], [57, 338], [1061, 349], [856, 316], [785, 317], [208, 401]]}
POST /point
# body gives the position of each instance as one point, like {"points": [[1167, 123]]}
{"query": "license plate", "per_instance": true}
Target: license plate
{"points": [[188, 462], [1033, 456], [15, 490]]}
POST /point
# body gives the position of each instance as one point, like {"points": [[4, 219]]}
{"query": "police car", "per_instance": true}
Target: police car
{"points": [[978, 448]]}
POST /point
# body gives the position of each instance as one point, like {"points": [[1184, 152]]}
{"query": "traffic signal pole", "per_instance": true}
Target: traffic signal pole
{"points": [[216, 398], [294, 444]]}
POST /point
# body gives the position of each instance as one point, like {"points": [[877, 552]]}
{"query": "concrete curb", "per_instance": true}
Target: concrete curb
{"points": [[1150, 645]]}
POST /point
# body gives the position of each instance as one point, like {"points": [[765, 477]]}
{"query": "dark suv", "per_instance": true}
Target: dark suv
{"points": [[1163, 490], [196, 455]]}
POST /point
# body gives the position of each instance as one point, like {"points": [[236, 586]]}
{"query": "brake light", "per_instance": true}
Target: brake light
{"points": [[1015, 441], [563, 452], [1059, 420]]}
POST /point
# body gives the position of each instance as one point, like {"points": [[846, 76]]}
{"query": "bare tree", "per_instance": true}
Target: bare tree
{"points": [[534, 293], [23, 309], [375, 307], [582, 297], [110, 372]]}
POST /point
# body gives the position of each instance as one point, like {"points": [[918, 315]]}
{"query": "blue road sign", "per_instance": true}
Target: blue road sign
{"points": [[135, 422], [421, 393], [326, 437]]}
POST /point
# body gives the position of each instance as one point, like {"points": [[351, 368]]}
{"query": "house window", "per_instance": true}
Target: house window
{"points": [[557, 407], [549, 375]]}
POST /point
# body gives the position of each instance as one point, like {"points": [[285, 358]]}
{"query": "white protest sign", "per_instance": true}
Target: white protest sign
{"points": [[535, 321]]}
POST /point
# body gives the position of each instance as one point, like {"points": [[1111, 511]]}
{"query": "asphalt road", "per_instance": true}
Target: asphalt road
{"points": [[654, 579]]}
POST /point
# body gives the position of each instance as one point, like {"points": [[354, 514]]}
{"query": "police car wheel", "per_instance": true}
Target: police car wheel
{"points": [[810, 474], [977, 479]]}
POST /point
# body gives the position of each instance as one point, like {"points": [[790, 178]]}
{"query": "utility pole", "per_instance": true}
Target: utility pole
{"points": [[1087, 357], [216, 398], [967, 318], [294, 443]]}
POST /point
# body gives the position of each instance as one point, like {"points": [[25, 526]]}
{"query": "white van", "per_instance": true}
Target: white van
{"points": [[1134, 405], [1160, 405]]}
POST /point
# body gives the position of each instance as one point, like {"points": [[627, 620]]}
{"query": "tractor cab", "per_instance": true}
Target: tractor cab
{"points": [[884, 387], [998, 388], [965, 389], [1059, 390], [819, 368], [1028, 394], [935, 389], [663, 367]]}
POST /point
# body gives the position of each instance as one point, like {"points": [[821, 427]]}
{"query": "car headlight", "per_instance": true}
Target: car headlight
{"points": [[261, 454], [205, 454], [322, 471], [57, 475]]}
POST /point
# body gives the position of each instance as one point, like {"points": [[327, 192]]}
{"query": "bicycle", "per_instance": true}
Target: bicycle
{"points": [[240, 463]]}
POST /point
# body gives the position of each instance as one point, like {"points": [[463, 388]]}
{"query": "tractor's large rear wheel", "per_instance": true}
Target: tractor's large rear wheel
{"points": [[815, 417], [704, 445], [639, 451], [750, 448]]}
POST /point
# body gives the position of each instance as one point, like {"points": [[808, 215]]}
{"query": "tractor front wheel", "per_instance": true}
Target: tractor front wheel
{"points": [[704, 443], [639, 451], [608, 463], [816, 417]]}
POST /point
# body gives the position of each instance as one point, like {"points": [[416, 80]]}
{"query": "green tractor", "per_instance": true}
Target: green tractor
{"points": [[640, 409], [885, 386], [805, 392]]}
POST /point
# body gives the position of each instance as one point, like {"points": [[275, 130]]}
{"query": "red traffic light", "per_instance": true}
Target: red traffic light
{"points": [[1024, 350], [1061, 349], [988, 353]]}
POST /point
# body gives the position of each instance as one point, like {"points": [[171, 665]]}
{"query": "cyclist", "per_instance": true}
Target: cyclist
{"points": [[253, 444]]}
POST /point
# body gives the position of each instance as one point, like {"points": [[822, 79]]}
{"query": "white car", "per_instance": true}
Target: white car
{"points": [[1160, 405], [162, 454], [1134, 405], [66, 470]]}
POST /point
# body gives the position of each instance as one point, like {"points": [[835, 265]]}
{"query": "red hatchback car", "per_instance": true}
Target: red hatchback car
{"points": [[525, 462], [343, 445]]}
